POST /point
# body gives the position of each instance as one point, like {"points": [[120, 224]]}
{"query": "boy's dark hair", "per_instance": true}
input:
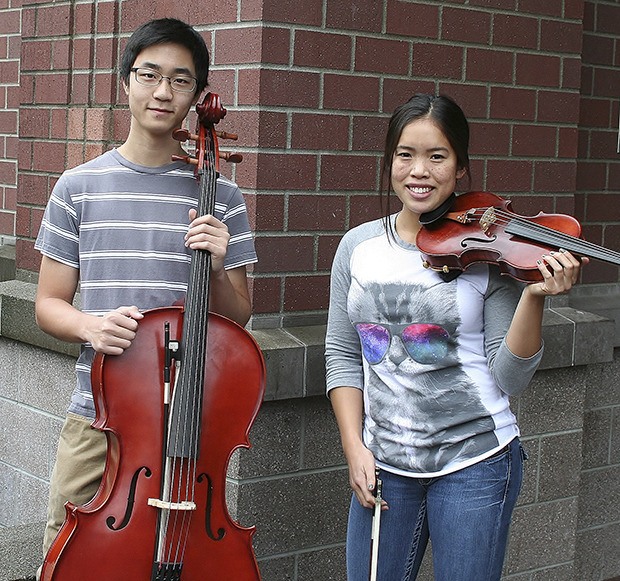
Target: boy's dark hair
{"points": [[167, 30]]}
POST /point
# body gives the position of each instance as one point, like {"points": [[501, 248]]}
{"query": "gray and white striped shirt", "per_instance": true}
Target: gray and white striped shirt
{"points": [[123, 225]]}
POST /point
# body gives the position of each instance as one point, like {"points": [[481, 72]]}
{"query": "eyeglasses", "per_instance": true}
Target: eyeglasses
{"points": [[178, 83], [425, 343]]}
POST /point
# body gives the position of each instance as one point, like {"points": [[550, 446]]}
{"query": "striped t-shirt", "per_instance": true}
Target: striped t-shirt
{"points": [[123, 226]]}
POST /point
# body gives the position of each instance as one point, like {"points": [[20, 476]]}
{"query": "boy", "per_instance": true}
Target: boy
{"points": [[119, 225]]}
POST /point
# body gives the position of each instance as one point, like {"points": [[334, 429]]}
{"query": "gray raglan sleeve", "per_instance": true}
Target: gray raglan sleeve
{"points": [[512, 374], [343, 357]]}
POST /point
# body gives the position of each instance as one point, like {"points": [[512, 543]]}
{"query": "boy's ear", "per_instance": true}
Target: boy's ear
{"points": [[125, 87]]}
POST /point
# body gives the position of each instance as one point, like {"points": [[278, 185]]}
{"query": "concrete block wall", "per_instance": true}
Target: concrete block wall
{"points": [[598, 533]]}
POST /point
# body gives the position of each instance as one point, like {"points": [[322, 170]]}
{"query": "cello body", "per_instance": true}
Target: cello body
{"points": [[114, 536]]}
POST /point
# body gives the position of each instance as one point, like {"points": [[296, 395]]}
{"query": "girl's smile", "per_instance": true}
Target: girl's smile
{"points": [[424, 173]]}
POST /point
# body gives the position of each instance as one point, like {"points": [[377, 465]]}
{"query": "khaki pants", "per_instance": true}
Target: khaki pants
{"points": [[76, 476]]}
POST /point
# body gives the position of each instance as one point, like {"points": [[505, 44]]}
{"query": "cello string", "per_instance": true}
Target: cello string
{"points": [[187, 427], [199, 328], [166, 490], [168, 479], [177, 475]]}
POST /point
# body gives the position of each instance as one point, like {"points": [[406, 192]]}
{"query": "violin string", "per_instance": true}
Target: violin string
{"points": [[554, 236], [570, 242]]}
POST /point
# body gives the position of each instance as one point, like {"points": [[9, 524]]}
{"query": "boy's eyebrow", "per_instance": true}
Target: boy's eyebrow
{"points": [[177, 70]]}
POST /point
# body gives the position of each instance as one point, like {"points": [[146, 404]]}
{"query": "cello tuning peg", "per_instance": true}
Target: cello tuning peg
{"points": [[231, 157], [225, 135], [186, 158], [184, 135]]}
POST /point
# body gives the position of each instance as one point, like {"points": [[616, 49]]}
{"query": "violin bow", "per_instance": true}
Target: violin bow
{"points": [[376, 523]]}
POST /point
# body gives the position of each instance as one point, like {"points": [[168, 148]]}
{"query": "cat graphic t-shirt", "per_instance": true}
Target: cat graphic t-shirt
{"points": [[429, 355]]}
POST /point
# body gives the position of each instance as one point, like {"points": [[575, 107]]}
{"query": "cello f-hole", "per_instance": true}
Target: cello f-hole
{"points": [[221, 532], [131, 499]]}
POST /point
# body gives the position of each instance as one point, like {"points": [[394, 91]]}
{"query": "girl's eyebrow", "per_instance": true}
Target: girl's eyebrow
{"points": [[430, 149]]}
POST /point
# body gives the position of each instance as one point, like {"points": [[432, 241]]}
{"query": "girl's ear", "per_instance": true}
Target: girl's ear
{"points": [[460, 173]]}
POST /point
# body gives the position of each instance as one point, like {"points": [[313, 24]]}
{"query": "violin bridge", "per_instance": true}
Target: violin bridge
{"points": [[488, 219], [165, 505]]}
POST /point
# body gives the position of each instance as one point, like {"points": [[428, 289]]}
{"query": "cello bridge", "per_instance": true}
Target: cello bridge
{"points": [[165, 505], [488, 219]]}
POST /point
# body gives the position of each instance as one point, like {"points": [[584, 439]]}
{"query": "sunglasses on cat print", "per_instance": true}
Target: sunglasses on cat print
{"points": [[424, 342]]}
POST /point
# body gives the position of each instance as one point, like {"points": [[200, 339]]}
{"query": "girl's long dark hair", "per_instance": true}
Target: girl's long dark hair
{"points": [[448, 117]]}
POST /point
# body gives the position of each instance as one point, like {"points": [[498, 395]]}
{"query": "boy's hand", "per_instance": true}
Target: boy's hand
{"points": [[114, 332], [208, 233]]}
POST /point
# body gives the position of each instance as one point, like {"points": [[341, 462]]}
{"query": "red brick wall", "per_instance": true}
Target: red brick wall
{"points": [[598, 161], [10, 27], [309, 87]]}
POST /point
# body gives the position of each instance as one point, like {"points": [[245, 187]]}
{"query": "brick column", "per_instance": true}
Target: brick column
{"points": [[10, 29]]}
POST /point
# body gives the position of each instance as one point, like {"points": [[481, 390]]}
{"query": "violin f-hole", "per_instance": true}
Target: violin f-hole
{"points": [[473, 240]]}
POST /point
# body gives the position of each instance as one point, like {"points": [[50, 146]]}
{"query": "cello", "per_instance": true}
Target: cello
{"points": [[174, 407]]}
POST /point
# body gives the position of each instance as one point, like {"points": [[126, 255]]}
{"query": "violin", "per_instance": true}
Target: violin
{"points": [[481, 227], [174, 407]]}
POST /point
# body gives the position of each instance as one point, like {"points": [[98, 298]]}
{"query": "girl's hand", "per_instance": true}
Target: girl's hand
{"points": [[362, 476], [560, 271]]}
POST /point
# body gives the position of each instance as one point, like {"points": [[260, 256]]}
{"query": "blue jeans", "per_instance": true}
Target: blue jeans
{"points": [[465, 514]]}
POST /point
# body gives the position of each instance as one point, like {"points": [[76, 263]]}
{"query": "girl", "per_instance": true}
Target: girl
{"points": [[420, 368]]}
